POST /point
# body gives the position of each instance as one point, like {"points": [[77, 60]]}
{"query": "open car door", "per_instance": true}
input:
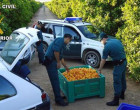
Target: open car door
{"points": [[15, 48]]}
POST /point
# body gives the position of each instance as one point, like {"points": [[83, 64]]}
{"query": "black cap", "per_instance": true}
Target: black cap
{"points": [[40, 23], [103, 35], [67, 36]]}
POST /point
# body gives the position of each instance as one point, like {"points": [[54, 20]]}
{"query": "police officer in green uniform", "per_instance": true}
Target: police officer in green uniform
{"points": [[115, 49], [53, 58], [39, 44]]}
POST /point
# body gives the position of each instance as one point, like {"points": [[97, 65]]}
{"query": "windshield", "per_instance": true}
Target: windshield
{"points": [[89, 31], [13, 47]]}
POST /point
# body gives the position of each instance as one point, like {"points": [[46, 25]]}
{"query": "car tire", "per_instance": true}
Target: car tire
{"points": [[92, 58], [45, 46]]}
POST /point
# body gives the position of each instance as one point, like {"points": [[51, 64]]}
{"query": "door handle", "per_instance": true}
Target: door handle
{"points": [[47, 36], [76, 43]]}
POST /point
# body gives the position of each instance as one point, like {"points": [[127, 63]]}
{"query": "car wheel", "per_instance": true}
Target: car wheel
{"points": [[45, 46], [92, 58]]}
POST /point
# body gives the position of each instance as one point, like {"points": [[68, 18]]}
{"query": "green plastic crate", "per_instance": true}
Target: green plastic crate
{"points": [[81, 88]]}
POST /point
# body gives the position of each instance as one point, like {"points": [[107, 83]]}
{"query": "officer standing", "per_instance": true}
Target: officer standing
{"points": [[115, 49], [39, 44], [53, 58]]}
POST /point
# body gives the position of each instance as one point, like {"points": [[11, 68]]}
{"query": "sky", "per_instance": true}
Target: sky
{"points": [[43, 0]]}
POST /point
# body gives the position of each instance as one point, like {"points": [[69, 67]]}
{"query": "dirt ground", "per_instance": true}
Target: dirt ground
{"points": [[40, 76]]}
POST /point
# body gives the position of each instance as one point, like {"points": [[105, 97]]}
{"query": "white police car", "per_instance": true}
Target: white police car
{"points": [[85, 44], [17, 93]]}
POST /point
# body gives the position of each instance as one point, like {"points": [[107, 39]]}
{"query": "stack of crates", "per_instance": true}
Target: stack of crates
{"points": [[125, 106], [82, 88]]}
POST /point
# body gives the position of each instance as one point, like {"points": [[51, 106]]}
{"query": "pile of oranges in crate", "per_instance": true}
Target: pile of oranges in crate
{"points": [[80, 74]]}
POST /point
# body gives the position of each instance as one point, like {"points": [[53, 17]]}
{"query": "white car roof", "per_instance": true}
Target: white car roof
{"points": [[64, 22], [28, 31]]}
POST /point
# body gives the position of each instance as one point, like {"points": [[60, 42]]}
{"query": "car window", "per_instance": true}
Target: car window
{"points": [[13, 47], [89, 31], [71, 31], [6, 89], [50, 29], [44, 29], [58, 31]]}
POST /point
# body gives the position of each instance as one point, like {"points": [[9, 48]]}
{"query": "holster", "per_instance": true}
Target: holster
{"points": [[38, 43], [118, 62], [47, 61]]}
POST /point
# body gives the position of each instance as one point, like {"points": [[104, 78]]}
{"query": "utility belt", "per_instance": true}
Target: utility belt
{"points": [[47, 61], [38, 43], [118, 62]]}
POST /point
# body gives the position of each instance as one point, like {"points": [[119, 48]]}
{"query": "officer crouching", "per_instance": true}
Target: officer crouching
{"points": [[53, 61], [115, 49]]}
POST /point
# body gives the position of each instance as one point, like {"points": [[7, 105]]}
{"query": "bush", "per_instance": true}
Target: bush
{"points": [[115, 17], [19, 17], [62, 8], [130, 36], [105, 14]]}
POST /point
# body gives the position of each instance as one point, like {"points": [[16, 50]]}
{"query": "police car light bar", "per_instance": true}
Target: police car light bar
{"points": [[73, 19]]}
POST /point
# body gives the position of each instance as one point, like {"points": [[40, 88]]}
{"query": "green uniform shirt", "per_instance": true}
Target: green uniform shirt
{"points": [[57, 45], [114, 49]]}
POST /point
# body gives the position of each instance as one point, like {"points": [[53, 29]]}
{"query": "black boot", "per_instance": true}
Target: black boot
{"points": [[122, 95], [115, 102], [62, 103], [64, 97]]}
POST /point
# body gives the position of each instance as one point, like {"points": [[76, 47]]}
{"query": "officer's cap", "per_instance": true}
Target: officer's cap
{"points": [[67, 36], [103, 35], [39, 23]]}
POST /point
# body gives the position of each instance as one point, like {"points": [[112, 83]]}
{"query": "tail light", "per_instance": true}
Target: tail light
{"points": [[43, 96]]}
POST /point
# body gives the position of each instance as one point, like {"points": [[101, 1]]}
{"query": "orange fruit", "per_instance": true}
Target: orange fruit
{"points": [[80, 74]]}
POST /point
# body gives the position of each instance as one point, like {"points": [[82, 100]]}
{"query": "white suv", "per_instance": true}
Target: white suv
{"points": [[85, 44]]}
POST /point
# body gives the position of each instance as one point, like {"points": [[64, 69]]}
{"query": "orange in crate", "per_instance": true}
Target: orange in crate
{"points": [[80, 74]]}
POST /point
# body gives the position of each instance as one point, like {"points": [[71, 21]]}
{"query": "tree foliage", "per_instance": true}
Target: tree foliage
{"points": [[105, 14], [19, 17], [129, 34]]}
